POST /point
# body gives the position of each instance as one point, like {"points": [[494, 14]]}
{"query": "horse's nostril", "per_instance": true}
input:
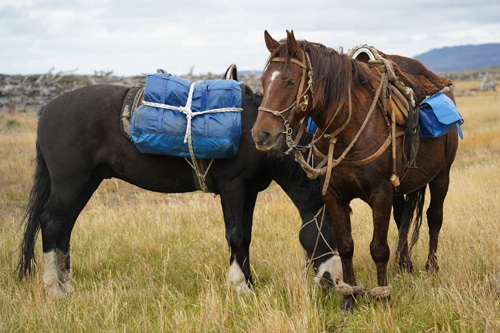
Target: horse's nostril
{"points": [[261, 137]]}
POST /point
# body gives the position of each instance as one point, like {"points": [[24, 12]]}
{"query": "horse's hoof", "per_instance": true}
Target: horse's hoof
{"points": [[67, 288], [54, 292], [237, 281], [347, 304], [431, 268], [385, 302], [406, 267]]}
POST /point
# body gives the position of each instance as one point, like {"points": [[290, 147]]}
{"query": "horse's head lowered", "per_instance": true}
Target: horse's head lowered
{"points": [[288, 79]]}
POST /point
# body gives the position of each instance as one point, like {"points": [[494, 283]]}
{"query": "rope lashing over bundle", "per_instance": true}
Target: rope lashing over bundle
{"points": [[187, 110]]}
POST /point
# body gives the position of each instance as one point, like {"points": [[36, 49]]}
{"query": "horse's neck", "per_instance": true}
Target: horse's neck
{"points": [[303, 192], [250, 103], [351, 116]]}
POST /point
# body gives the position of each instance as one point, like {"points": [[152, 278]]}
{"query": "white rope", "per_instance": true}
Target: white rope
{"points": [[187, 110], [201, 176]]}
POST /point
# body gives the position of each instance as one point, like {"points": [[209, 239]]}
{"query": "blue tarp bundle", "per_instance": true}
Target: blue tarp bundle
{"points": [[438, 115], [170, 120]]}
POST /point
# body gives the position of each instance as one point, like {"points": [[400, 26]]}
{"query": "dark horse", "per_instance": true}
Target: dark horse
{"points": [[80, 143], [341, 95]]}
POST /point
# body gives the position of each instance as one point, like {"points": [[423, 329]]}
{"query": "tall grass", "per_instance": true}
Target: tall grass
{"points": [[152, 262]]}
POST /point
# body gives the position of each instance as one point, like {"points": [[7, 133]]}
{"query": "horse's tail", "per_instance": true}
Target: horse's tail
{"points": [[412, 215], [37, 201]]}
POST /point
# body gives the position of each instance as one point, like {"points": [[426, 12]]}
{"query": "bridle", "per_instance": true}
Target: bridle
{"points": [[297, 105]]}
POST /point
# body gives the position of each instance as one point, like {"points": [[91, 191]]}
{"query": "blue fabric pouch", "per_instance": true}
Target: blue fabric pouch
{"points": [[171, 123], [438, 115]]}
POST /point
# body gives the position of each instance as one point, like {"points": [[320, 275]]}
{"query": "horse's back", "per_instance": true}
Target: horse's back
{"points": [[423, 81], [80, 132], [83, 106], [80, 129]]}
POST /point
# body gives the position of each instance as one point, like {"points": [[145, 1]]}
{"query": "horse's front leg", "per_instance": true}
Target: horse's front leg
{"points": [[57, 273], [238, 208], [63, 260], [340, 214], [438, 190]]}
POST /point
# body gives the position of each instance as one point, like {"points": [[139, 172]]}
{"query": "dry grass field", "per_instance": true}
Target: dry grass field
{"points": [[148, 262]]}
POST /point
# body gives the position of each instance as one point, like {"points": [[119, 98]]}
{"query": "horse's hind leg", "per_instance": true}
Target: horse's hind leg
{"points": [[51, 227], [402, 253], [57, 223], [438, 190]]}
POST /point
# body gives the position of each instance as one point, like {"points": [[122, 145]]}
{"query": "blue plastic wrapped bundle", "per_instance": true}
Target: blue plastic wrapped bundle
{"points": [[438, 115], [181, 118]]}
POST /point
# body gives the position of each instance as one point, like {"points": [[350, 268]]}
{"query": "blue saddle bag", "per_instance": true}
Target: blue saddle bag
{"points": [[438, 115], [165, 129]]}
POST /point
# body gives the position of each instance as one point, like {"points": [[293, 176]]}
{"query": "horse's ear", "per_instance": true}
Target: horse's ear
{"points": [[271, 43], [292, 42]]}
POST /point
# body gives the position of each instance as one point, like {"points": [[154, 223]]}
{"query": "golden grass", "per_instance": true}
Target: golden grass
{"points": [[145, 261]]}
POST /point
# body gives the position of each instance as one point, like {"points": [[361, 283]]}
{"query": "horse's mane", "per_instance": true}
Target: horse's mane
{"points": [[333, 71]]}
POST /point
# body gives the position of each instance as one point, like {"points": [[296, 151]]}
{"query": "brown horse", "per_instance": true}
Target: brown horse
{"points": [[362, 143]]}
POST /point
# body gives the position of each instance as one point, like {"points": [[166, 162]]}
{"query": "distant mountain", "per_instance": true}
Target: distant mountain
{"points": [[461, 58]]}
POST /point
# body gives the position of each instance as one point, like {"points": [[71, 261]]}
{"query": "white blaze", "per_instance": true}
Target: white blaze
{"points": [[271, 79], [274, 76]]}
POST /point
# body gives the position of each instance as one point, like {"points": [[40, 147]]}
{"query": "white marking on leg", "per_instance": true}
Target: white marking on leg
{"points": [[236, 279], [63, 271], [50, 279], [332, 266]]}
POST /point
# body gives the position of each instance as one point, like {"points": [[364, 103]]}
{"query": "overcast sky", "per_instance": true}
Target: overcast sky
{"points": [[135, 37]]}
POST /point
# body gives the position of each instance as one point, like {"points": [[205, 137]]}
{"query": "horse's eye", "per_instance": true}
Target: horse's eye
{"points": [[290, 83]]}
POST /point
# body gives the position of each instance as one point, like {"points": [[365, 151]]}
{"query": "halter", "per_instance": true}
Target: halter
{"points": [[296, 105]]}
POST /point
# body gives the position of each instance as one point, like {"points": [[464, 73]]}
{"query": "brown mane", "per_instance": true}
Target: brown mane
{"points": [[333, 72]]}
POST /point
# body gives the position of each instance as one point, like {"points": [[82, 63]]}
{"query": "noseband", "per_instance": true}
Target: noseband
{"points": [[296, 105]]}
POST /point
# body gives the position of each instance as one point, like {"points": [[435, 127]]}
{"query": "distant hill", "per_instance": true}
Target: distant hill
{"points": [[461, 58]]}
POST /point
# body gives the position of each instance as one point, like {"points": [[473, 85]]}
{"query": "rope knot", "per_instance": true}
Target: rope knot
{"points": [[331, 139]]}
